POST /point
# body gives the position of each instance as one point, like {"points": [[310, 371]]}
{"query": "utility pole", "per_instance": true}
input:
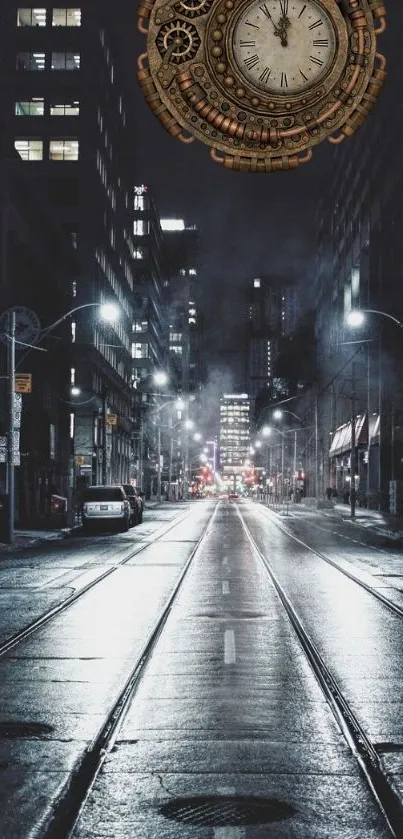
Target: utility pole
{"points": [[353, 447], [11, 436], [141, 448], [104, 415], [159, 463], [171, 457], [294, 481], [316, 450]]}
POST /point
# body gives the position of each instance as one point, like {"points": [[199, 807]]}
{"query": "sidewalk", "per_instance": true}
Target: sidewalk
{"points": [[382, 523], [28, 538]]}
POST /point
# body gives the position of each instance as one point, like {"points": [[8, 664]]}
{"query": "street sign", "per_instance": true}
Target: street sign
{"points": [[27, 325], [23, 383], [111, 419]]}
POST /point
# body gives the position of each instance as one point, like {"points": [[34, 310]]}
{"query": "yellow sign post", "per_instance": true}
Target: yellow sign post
{"points": [[111, 419], [23, 383]]}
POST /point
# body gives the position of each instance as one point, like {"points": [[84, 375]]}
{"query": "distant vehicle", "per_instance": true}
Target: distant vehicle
{"points": [[232, 496], [102, 504], [136, 503]]}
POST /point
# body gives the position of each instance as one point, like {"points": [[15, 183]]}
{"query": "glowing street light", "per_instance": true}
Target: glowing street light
{"points": [[109, 311], [197, 437], [75, 391], [357, 317], [160, 378], [266, 430], [189, 424]]}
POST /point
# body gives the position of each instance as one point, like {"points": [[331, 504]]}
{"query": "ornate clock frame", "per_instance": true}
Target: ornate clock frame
{"points": [[194, 87]]}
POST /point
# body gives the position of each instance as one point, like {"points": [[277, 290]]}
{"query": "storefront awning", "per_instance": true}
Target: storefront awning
{"points": [[341, 442]]}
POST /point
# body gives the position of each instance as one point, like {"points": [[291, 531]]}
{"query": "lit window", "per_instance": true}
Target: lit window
{"points": [[192, 320], [63, 150], [64, 109], [138, 227], [139, 350], [30, 61], [176, 349], [66, 17], [29, 149], [65, 61], [73, 332], [192, 272], [140, 326], [138, 202], [138, 253], [256, 283], [31, 17], [32, 108]]}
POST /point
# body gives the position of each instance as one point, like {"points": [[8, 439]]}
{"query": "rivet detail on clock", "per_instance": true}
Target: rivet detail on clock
{"points": [[269, 79]]}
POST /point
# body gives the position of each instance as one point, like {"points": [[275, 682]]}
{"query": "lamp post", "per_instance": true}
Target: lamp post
{"points": [[189, 424], [356, 318]]}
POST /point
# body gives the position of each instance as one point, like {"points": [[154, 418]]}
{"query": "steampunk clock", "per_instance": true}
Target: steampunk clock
{"points": [[261, 82]]}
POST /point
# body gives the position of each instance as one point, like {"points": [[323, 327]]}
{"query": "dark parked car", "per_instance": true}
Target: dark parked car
{"points": [[136, 503], [105, 504]]}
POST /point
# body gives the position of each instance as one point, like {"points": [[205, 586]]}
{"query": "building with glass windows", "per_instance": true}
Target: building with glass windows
{"points": [[67, 112], [234, 435]]}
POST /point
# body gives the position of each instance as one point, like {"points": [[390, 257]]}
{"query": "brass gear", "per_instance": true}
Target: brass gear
{"points": [[178, 41]]}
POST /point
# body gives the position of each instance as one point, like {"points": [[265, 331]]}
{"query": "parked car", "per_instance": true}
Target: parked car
{"points": [[136, 503], [104, 504]]}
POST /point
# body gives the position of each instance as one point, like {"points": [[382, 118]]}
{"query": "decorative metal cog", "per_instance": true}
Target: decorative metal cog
{"points": [[193, 8], [178, 41]]}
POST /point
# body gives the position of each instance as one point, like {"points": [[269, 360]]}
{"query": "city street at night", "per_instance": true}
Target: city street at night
{"points": [[222, 670], [201, 420]]}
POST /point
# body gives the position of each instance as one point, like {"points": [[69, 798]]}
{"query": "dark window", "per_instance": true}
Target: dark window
{"points": [[104, 494]]}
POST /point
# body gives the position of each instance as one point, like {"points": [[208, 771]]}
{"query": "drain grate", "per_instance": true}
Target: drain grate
{"points": [[15, 730], [225, 810]]}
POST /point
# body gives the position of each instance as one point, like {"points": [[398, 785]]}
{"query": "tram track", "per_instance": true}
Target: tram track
{"points": [[393, 607], [29, 630], [67, 809], [362, 748]]}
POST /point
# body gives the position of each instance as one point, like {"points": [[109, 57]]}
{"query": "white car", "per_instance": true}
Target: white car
{"points": [[105, 504]]}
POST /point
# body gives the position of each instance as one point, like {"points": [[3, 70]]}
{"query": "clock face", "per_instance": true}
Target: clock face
{"points": [[284, 46]]}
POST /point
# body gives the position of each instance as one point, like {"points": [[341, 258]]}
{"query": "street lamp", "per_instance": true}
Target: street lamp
{"points": [[357, 317]]}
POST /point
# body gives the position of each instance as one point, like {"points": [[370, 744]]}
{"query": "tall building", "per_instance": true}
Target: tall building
{"points": [[149, 341], [234, 435], [185, 318], [67, 111], [360, 266], [272, 311]]}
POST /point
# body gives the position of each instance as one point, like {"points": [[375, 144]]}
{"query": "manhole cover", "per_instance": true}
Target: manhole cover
{"points": [[225, 810], [14, 730]]}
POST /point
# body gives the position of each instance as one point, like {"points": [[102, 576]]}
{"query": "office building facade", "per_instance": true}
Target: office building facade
{"points": [[234, 443], [67, 112]]}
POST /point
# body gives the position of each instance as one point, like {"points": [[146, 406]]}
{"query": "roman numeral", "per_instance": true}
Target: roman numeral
{"points": [[247, 43], [284, 82], [264, 76], [317, 61], [316, 24], [251, 24], [302, 12], [251, 61], [304, 76], [324, 42]]}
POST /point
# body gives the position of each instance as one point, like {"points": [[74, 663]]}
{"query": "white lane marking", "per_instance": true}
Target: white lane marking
{"points": [[228, 832], [225, 587], [229, 647]]}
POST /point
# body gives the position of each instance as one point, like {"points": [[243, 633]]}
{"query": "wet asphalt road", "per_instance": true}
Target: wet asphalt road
{"points": [[228, 704]]}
